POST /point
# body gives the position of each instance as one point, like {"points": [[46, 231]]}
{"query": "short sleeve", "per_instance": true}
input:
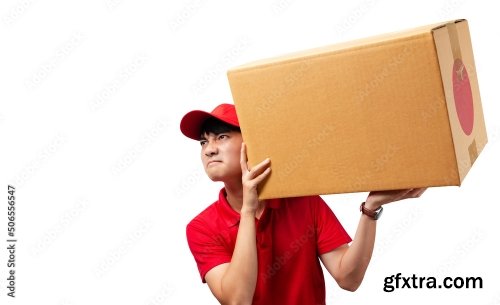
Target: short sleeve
{"points": [[330, 233], [208, 248]]}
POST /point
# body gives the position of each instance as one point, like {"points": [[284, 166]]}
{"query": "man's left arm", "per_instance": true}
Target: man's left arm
{"points": [[348, 264]]}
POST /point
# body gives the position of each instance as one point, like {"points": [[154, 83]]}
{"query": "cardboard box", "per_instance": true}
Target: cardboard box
{"points": [[396, 111]]}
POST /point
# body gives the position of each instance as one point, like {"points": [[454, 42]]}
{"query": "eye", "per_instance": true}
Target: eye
{"points": [[222, 136], [203, 142]]}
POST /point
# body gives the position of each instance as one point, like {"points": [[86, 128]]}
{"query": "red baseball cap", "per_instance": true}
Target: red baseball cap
{"points": [[192, 121]]}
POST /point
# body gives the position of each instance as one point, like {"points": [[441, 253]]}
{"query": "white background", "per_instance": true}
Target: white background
{"points": [[91, 96]]}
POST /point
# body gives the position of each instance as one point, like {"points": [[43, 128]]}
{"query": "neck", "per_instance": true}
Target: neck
{"points": [[234, 191]]}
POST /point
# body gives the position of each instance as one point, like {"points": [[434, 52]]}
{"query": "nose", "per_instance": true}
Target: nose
{"points": [[211, 148]]}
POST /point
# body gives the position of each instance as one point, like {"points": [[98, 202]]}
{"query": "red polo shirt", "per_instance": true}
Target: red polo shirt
{"points": [[291, 234]]}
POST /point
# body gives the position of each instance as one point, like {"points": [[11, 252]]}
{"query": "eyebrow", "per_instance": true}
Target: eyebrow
{"points": [[202, 137]]}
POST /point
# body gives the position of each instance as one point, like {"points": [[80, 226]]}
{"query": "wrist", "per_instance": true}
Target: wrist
{"points": [[247, 212], [371, 213]]}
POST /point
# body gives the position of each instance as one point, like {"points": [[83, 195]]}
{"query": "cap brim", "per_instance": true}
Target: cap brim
{"points": [[191, 123]]}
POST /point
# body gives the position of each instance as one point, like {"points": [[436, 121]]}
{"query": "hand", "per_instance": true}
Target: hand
{"points": [[250, 179], [376, 199]]}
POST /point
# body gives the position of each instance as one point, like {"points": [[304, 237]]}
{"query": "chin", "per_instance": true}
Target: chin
{"points": [[215, 176], [218, 177]]}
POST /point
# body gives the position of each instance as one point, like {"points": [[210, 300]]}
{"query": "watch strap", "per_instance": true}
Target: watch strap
{"points": [[373, 214]]}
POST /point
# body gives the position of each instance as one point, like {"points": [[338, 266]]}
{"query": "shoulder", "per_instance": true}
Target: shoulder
{"points": [[204, 221], [305, 207], [313, 208], [309, 202]]}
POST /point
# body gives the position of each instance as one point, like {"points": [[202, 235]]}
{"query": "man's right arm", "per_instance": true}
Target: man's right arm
{"points": [[234, 282]]}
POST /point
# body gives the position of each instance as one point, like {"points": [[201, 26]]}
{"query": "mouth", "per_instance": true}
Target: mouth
{"points": [[213, 162]]}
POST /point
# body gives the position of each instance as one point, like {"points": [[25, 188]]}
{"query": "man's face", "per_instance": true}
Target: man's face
{"points": [[220, 155]]}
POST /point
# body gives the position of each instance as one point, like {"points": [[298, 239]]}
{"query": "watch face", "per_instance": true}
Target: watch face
{"points": [[378, 213]]}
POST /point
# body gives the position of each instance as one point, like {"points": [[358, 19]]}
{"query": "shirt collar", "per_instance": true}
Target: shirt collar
{"points": [[230, 216]]}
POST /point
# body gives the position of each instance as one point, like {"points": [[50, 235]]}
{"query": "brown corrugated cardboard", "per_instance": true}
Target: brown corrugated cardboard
{"points": [[395, 111]]}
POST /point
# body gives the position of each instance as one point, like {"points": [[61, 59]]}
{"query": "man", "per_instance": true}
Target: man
{"points": [[266, 252]]}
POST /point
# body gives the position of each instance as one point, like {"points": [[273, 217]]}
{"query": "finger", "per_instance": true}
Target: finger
{"points": [[262, 176], [243, 157], [421, 191], [404, 193], [259, 168], [414, 193]]}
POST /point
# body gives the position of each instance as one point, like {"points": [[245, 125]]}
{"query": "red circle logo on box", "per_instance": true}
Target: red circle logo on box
{"points": [[463, 97]]}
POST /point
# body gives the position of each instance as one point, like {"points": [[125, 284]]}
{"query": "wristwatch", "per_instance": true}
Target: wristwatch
{"points": [[373, 214]]}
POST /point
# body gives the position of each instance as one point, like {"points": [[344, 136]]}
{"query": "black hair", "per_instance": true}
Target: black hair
{"points": [[215, 126]]}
